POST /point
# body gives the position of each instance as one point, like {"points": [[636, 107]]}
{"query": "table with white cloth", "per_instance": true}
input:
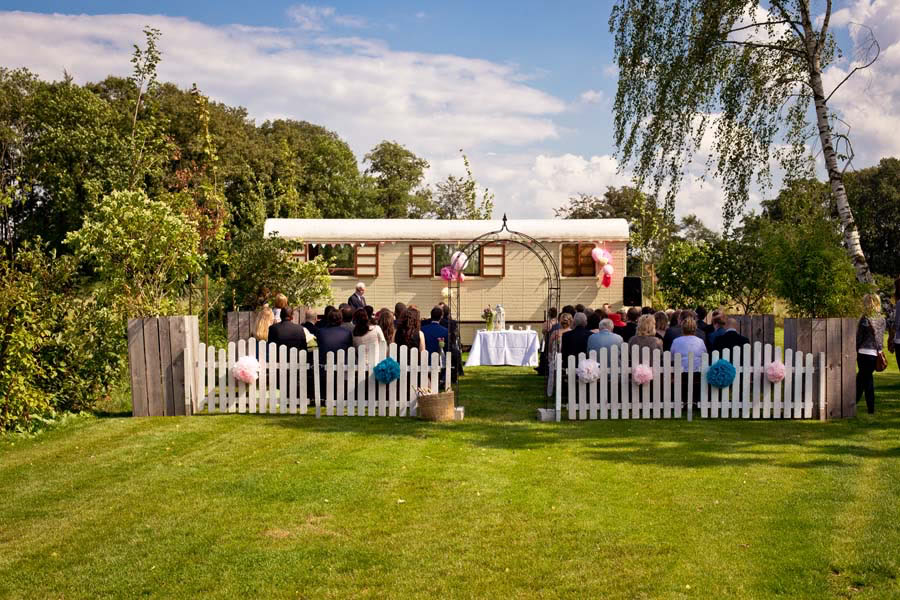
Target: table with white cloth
{"points": [[513, 347]]}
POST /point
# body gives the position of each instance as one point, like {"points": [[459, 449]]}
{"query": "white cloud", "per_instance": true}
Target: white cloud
{"points": [[421, 14], [592, 96], [317, 18], [360, 88]]}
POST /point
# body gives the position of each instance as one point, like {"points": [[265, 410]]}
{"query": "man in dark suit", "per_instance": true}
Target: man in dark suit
{"points": [[287, 333], [358, 299], [434, 331], [575, 341], [333, 337], [730, 338]]}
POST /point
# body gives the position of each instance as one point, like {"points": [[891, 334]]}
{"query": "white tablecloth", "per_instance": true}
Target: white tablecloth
{"points": [[510, 347]]}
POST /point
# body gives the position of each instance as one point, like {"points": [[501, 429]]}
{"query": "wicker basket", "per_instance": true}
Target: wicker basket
{"points": [[437, 407]]}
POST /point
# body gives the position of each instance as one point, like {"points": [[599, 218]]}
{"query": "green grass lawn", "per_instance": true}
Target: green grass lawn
{"points": [[496, 506]]}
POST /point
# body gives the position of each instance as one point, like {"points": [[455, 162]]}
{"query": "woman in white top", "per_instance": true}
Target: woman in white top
{"points": [[365, 334]]}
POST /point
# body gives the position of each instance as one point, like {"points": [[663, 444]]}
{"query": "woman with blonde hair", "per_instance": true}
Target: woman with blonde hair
{"points": [[869, 349], [645, 337], [264, 318], [281, 303]]}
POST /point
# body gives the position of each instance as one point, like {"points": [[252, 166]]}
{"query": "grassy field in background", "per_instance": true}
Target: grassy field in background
{"points": [[495, 506]]}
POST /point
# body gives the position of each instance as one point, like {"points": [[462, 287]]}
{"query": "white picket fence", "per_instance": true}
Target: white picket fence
{"points": [[289, 380], [615, 395]]}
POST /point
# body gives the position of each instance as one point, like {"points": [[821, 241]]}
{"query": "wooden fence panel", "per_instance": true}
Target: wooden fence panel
{"points": [[848, 368], [165, 367], [137, 367], [833, 367], [155, 400]]}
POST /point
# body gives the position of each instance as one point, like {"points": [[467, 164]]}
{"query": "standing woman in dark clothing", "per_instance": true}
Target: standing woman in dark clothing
{"points": [[869, 343]]}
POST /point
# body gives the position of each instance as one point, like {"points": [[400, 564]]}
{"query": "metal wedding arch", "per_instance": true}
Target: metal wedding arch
{"points": [[506, 235]]}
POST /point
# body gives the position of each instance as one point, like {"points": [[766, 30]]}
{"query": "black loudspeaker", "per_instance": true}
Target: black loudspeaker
{"points": [[631, 291]]}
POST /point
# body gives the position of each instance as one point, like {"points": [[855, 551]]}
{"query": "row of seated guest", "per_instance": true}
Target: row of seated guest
{"points": [[342, 328], [586, 331]]}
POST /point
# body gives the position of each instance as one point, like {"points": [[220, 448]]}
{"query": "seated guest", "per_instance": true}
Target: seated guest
{"points": [[616, 318], [347, 318], [593, 321], [568, 308], [333, 337], [409, 332], [579, 308], [384, 318], [604, 338], [287, 333], [455, 347], [630, 327], [702, 325], [662, 323], [323, 321], [646, 337], [370, 312], [674, 332], [647, 310], [399, 314], [364, 333], [281, 302], [565, 325], [719, 321], [264, 319], [310, 321], [434, 331], [551, 323], [688, 343], [575, 341], [730, 338]]}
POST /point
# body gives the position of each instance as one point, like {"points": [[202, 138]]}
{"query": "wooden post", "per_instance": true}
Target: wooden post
{"points": [[848, 368], [161, 359], [138, 368]]}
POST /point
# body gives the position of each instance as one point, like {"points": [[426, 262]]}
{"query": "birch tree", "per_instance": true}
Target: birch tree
{"points": [[741, 81]]}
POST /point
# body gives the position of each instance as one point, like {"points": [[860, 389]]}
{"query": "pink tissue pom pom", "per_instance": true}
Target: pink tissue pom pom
{"points": [[246, 369], [460, 276], [775, 371], [447, 274], [642, 374], [588, 371]]}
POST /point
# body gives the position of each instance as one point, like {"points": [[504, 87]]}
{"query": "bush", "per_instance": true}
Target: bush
{"points": [[811, 269], [60, 349]]}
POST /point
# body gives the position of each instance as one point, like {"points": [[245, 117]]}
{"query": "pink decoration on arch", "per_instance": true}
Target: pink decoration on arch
{"points": [[642, 374], [447, 274], [607, 280], [460, 276], [608, 270], [246, 369], [601, 256], [458, 261], [775, 371]]}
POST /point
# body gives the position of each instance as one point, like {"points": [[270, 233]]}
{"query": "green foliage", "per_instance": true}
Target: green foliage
{"points": [[690, 275], [691, 67], [397, 175], [262, 267], [458, 197], [874, 196], [811, 271], [141, 251], [60, 348]]}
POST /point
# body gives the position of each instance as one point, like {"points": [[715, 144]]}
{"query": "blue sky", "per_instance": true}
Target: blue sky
{"points": [[524, 87]]}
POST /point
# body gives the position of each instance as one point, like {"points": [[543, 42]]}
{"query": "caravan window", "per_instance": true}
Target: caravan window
{"points": [[342, 258]]}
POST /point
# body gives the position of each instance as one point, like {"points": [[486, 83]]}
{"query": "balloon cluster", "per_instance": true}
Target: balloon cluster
{"points": [[458, 263], [603, 259]]}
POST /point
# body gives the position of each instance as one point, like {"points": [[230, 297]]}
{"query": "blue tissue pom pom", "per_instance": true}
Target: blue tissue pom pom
{"points": [[387, 370], [721, 374]]}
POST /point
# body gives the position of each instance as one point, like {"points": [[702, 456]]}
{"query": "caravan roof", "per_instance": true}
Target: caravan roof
{"points": [[402, 230]]}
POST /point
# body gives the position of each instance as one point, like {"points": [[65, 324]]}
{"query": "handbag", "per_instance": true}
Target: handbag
{"points": [[880, 362]]}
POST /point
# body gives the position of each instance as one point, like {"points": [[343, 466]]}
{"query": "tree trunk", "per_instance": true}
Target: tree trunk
{"points": [[835, 176]]}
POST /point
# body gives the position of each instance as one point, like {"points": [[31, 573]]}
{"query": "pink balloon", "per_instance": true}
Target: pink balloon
{"points": [[460, 276], [597, 254], [608, 269], [607, 280]]}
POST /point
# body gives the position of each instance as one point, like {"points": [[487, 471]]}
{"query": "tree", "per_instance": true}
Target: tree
{"points": [[747, 74], [689, 275], [874, 196], [649, 227], [745, 271], [693, 229], [810, 270], [458, 198], [141, 250], [263, 267], [398, 176]]}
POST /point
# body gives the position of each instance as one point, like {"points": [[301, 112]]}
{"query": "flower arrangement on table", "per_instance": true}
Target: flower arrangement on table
{"points": [[488, 316]]}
